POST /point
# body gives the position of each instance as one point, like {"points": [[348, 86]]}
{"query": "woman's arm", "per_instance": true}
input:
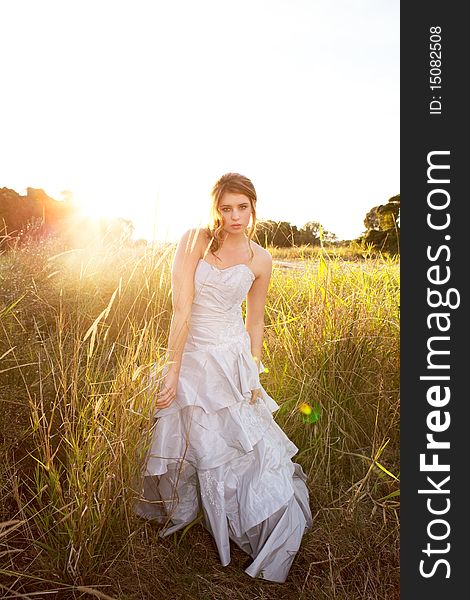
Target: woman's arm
{"points": [[188, 252], [255, 306]]}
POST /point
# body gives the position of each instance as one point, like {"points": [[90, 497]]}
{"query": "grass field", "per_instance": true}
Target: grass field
{"points": [[81, 331]]}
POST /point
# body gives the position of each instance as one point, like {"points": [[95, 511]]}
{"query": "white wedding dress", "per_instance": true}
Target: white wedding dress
{"points": [[212, 449]]}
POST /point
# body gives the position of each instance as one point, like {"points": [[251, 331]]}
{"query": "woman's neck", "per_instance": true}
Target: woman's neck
{"points": [[235, 240]]}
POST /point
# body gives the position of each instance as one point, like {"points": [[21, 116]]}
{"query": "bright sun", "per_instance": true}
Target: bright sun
{"points": [[163, 214]]}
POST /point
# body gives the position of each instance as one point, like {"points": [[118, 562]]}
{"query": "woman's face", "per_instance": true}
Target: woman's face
{"points": [[236, 212]]}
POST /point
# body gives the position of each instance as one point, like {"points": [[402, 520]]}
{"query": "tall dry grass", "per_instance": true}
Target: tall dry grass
{"points": [[344, 251], [79, 334]]}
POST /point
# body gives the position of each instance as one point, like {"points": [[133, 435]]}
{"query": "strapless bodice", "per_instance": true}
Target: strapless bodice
{"points": [[216, 313], [220, 290]]}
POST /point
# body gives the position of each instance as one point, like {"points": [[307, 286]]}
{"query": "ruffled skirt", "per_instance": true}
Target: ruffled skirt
{"points": [[214, 451]]}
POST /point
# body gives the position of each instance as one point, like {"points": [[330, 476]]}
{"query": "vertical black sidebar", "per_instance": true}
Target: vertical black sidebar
{"points": [[435, 244]]}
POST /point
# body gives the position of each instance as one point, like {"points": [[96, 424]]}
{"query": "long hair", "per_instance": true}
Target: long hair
{"points": [[236, 184]]}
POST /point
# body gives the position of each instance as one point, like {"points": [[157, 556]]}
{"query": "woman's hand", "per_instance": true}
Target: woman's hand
{"points": [[167, 391], [255, 394]]}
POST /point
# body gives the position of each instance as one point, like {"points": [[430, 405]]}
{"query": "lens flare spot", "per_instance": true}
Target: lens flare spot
{"points": [[310, 414]]}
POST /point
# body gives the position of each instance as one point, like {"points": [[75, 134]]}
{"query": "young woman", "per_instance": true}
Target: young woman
{"points": [[215, 445]]}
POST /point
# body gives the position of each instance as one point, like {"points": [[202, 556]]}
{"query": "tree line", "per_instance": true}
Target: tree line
{"points": [[36, 215]]}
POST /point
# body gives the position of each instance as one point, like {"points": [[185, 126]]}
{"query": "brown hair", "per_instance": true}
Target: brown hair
{"points": [[236, 184]]}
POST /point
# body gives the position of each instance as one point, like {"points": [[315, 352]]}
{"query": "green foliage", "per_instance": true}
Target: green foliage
{"points": [[383, 229], [281, 234]]}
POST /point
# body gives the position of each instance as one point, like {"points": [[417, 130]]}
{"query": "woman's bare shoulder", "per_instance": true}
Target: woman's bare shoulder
{"points": [[262, 258], [260, 252], [195, 240]]}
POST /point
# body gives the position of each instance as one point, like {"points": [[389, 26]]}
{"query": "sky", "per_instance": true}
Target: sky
{"points": [[138, 106]]}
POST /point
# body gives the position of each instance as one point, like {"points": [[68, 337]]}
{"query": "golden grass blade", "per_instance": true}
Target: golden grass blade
{"points": [[14, 525], [93, 592], [92, 331], [7, 352], [386, 471]]}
